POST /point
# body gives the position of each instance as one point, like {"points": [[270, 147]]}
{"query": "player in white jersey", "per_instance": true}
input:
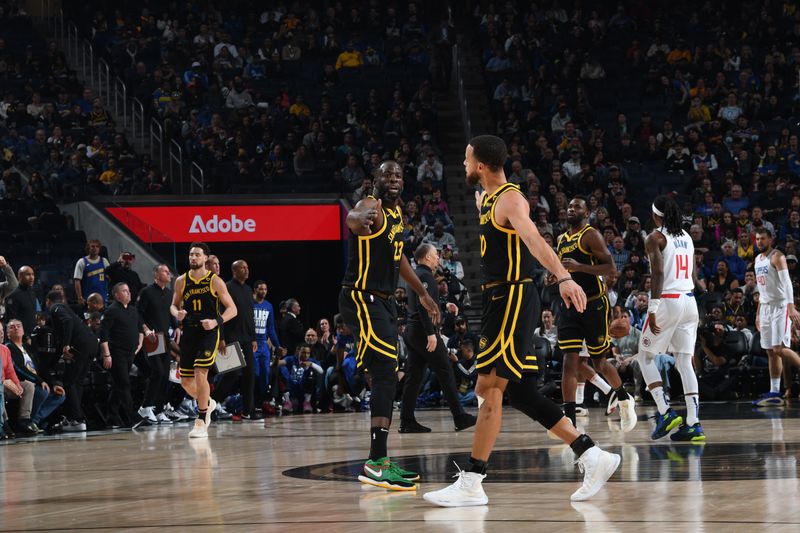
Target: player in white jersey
{"points": [[775, 310], [672, 319]]}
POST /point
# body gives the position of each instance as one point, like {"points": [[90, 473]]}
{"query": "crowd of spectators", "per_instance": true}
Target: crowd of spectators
{"points": [[275, 97], [626, 102]]}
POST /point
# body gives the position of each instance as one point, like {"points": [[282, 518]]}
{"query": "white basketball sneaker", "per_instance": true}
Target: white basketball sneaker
{"points": [[627, 414], [466, 491], [597, 466], [200, 430]]}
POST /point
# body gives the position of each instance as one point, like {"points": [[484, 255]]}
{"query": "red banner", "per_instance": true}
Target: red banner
{"points": [[221, 223]]}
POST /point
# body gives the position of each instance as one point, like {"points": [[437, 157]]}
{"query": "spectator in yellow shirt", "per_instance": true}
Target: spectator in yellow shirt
{"points": [[350, 58], [111, 175], [299, 108]]}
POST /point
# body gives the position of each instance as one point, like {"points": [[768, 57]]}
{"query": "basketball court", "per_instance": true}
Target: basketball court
{"points": [[298, 473]]}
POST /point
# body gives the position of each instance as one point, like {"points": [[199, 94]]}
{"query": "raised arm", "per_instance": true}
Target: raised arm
{"points": [[514, 209], [366, 217]]}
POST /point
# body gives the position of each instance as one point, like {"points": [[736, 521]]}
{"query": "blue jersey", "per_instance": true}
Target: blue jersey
{"points": [[265, 323]]}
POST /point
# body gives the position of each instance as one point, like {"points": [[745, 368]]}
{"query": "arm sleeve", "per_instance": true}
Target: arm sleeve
{"points": [[317, 368], [786, 286], [272, 333]]}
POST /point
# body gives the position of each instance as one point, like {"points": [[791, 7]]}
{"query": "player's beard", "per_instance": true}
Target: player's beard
{"points": [[574, 221], [386, 195], [193, 266], [473, 179]]}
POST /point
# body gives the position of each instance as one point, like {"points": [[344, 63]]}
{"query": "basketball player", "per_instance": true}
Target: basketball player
{"points": [[583, 253], [775, 309], [195, 302], [366, 305], [508, 243], [671, 324]]}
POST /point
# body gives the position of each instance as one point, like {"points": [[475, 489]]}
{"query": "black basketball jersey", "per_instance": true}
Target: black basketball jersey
{"points": [[504, 257], [199, 299], [374, 260], [570, 246]]}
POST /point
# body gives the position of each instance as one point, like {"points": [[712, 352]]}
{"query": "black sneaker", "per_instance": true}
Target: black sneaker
{"points": [[412, 426], [464, 421]]}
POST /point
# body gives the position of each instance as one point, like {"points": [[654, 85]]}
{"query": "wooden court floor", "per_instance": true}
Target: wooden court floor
{"points": [[297, 473]]}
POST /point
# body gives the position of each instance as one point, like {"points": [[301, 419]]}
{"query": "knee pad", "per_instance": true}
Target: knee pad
{"points": [[647, 363]]}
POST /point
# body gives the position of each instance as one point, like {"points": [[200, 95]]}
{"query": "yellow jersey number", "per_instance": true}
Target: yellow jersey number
{"points": [[398, 250], [483, 245]]}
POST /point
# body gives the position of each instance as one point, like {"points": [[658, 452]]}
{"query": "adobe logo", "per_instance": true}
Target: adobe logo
{"points": [[225, 225]]}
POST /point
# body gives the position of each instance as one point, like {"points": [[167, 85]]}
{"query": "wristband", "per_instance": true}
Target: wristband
{"points": [[562, 280], [220, 321], [652, 306]]}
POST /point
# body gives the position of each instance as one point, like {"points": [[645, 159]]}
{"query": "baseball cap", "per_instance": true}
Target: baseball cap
{"points": [[196, 64], [634, 219]]}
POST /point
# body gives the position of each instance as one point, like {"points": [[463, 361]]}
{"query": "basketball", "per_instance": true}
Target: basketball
{"points": [[620, 328], [150, 343]]}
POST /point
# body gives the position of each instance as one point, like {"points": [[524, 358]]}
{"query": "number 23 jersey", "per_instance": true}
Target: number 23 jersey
{"points": [[374, 260]]}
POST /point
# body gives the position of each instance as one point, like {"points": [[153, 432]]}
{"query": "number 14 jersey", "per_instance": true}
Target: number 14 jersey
{"points": [[678, 257]]}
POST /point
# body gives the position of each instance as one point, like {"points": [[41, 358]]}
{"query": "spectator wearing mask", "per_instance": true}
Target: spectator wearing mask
{"points": [[47, 394], [291, 328], [241, 329], [79, 347], [153, 306], [22, 303], [121, 336], [122, 272], [90, 273]]}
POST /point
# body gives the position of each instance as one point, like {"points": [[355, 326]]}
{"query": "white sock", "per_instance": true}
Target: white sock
{"points": [[579, 393], [307, 397], [774, 384], [661, 402], [598, 381], [692, 409]]}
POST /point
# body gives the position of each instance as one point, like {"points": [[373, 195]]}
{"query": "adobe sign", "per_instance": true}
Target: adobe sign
{"points": [[225, 223]]}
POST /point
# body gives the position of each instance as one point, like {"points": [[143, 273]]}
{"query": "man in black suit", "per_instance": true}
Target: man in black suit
{"points": [[79, 347], [291, 329], [21, 303]]}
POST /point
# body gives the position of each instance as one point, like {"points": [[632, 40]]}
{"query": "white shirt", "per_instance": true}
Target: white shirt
{"points": [[768, 282], [678, 263]]}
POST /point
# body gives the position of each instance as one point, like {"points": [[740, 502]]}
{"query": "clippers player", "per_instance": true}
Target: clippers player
{"points": [[775, 310], [672, 319], [508, 242]]}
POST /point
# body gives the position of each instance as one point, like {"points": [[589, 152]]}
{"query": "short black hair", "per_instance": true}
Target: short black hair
{"points": [[489, 150], [55, 296], [203, 246], [259, 282]]}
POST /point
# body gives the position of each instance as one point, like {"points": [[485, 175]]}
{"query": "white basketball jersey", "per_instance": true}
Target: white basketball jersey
{"points": [[768, 282], [678, 263]]}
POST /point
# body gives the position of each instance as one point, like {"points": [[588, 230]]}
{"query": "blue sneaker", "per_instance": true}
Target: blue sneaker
{"points": [[666, 423], [769, 399], [689, 433]]}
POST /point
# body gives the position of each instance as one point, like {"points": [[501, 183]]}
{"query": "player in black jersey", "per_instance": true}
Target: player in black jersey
{"points": [[509, 241], [367, 308], [195, 303], [584, 254]]}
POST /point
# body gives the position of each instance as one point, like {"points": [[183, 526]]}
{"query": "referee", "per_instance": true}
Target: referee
{"points": [[426, 348]]}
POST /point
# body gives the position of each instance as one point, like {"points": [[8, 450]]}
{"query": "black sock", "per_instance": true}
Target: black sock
{"points": [[581, 444], [201, 413], [377, 448], [622, 394], [477, 466], [569, 411]]}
